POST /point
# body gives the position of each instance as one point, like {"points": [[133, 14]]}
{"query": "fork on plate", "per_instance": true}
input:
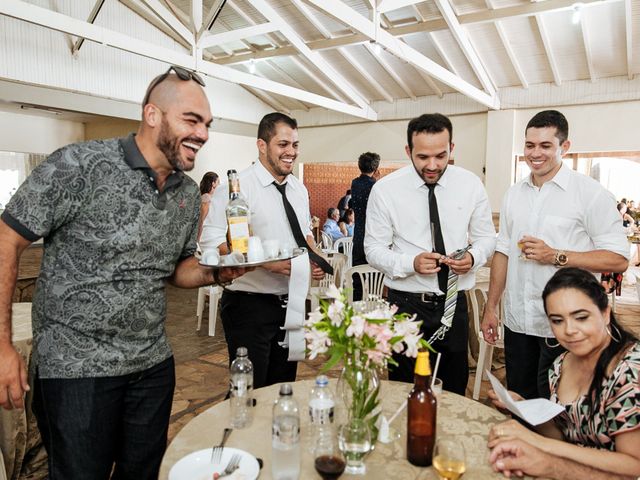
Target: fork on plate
{"points": [[216, 451], [231, 467]]}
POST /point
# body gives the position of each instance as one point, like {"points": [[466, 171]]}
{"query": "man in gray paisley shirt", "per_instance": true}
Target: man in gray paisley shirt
{"points": [[119, 218]]}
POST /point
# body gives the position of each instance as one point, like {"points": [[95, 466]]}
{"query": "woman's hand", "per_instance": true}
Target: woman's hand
{"points": [[510, 430], [498, 404]]}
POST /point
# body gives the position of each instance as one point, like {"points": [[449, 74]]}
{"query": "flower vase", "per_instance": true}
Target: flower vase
{"points": [[359, 387]]}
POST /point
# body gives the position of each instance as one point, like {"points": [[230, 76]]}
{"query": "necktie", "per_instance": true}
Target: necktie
{"points": [[297, 231], [437, 239]]}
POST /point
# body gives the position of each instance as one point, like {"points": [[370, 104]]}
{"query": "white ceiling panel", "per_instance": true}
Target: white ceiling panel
{"points": [[515, 48]]}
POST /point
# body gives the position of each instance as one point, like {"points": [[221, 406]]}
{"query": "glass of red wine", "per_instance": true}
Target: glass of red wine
{"points": [[329, 461]]}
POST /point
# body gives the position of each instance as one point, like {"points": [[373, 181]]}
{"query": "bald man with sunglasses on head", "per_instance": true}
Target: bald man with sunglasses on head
{"points": [[119, 218]]}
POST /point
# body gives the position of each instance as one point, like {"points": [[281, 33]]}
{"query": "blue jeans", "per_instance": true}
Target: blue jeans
{"points": [[88, 424]]}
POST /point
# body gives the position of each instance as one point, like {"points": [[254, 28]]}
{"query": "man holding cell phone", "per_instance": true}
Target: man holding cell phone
{"points": [[428, 227]]}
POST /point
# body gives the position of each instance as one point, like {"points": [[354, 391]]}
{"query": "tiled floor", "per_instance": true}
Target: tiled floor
{"points": [[202, 361]]}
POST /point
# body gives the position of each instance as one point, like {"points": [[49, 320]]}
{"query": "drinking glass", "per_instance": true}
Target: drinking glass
{"points": [[449, 459], [521, 234], [329, 462], [354, 440]]}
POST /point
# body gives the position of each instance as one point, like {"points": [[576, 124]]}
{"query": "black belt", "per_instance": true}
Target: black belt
{"points": [[426, 297], [281, 298]]}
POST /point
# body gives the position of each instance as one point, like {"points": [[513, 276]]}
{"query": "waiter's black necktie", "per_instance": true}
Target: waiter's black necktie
{"points": [[437, 240], [297, 231]]}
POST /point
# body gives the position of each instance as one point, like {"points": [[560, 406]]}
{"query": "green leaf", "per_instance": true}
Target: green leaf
{"points": [[336, 355]]}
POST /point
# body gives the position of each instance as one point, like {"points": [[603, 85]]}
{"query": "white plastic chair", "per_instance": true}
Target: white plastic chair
{"points": [[338, 262], [327, 242], [478, 298], [347, 248], [372, 281], [214, 292]]}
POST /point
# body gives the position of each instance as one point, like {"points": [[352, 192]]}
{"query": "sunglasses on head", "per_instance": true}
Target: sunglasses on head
{"points": [[181, 73]]}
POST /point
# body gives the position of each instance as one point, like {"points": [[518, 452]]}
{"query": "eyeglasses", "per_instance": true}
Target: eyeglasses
{"points": [[182, 73]]}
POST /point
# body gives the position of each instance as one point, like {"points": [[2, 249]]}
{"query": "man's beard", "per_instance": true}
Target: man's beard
{"points": [[169, 145]]}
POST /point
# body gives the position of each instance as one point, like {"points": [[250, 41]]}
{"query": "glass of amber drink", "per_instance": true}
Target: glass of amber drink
{"points": [[449, 459]]}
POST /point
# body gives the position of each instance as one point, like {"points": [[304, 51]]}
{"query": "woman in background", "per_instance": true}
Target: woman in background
{"points": [[347, 222], [596, 381], [208, 184]]}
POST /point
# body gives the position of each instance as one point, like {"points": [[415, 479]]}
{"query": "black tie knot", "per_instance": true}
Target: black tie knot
{"points": [[431, 186], [281, 187]]}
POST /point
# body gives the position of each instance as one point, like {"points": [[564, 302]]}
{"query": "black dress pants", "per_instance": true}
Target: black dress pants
{"points": [[454, 363], [88, 425], [254, 320], [528, 360]]}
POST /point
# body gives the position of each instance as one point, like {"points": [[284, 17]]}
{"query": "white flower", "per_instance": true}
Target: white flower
{"points": [[333, 292], [314, 317], [356, 329], [412, 345], [335, 312], [403, 328], [318, 342]]}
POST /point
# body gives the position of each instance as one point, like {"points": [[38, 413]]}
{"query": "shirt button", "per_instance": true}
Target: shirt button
{"points": [[157, 191]]}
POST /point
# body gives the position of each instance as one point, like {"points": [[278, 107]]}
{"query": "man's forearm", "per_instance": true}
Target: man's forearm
{"points": [[11, 247], [497, 279], [598, 261], [564, 469], [189, 274]]}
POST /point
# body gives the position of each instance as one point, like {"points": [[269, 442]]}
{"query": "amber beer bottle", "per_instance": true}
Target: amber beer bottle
{"points": [[421, 415]]}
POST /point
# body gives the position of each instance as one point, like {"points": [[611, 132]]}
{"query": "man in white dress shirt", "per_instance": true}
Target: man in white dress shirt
{"points": [[253, 310], [560, 218], [414, 212]]}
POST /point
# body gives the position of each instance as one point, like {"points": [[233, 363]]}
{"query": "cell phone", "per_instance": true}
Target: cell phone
{"points": [[458, 254]]}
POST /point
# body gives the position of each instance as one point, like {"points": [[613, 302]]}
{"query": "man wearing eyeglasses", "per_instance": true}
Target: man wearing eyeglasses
{"points": [[119, 218]]}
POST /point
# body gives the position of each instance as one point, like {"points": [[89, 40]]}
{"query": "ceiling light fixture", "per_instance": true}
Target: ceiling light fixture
{"points": [[252, 66]]}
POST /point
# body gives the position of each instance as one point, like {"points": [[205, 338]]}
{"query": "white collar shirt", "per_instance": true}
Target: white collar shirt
{"points": [[268, 221], [569, 212], [398, 225]]}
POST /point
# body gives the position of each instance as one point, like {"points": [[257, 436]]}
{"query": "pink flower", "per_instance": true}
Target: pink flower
{"points": [[376, 357]]}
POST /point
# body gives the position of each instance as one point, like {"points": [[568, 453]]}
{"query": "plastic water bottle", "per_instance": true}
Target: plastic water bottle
{"points": [[285, 436], [321, 409], [241, 398]]}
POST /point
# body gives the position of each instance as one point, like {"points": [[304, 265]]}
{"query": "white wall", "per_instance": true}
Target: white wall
{"points": [[222, 152], [344, 143], [606, 127], [35, 134]]}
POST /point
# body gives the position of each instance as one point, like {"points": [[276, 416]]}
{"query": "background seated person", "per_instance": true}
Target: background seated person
{"points": [[331, 224], [347, 222], [596, 381]]}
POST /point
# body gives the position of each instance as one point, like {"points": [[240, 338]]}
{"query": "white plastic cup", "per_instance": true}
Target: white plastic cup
{"points": [[436, 386], [287, 249], [271, 249], [211, 257], [255, 253]]}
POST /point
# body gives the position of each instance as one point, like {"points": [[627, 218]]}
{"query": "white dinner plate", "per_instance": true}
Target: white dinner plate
{"points": [[196, 466]]}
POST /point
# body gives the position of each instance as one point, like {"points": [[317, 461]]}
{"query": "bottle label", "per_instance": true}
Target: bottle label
{"points": [[239, 387], [239, 233], [285, 436], [321, 412]]}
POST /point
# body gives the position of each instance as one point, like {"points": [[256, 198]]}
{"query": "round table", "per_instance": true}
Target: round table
{"points": [[460, 418]]}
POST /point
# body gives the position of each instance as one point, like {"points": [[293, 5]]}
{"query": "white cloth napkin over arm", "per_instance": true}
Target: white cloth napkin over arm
{"points": [[534, 411], [299, 281]]}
